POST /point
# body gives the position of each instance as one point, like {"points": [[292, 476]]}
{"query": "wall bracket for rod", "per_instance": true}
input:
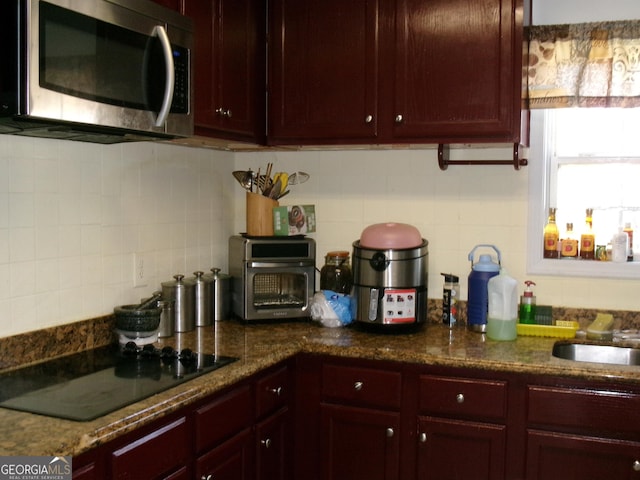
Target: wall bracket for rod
{"points": [[444, 161]]}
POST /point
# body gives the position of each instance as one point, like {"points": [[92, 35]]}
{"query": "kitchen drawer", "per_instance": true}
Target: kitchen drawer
{"points": [[463, 397], [588, 409], [223, 417], [361, 386], [272, 391], [153, 455]]}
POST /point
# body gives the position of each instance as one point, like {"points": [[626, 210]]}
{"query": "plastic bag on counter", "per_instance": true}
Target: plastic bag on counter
{"points": [[331, 309]]}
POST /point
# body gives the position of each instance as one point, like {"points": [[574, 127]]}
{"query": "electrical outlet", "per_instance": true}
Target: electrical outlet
{"points": [[139, 270]]}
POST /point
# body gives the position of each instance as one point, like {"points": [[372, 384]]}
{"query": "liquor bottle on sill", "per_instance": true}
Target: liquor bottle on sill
{"points": [[551, 236], [587, 239], [569, 244], [629, 231]]}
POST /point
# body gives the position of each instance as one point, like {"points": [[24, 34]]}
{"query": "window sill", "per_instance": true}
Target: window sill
{"points": [[583, 268]]}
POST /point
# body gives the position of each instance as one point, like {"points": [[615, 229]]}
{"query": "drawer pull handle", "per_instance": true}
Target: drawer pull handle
{"points": [[358, 386], [423, 438], [636, 466], [276, 391], [460, 398], [266, 443], [206, 477], [368, 119], [390, 432], [399, 118]]}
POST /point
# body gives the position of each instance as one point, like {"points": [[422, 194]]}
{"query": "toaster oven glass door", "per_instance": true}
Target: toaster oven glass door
{"points": [[279, 290]]}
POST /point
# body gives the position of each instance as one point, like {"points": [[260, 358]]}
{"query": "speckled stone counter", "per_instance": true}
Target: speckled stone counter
{"points": [[260, 346]]}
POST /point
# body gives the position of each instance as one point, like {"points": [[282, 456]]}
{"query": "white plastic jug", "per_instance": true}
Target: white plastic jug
{"points": [[502, 318]]}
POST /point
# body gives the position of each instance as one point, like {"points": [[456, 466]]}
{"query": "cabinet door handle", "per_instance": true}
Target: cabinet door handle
{"points": [[422, 438], [399, 118], [276, 391], [636, 466], [390, 432], [206, 477], [460, 398], [224, 113], [368, 119], [266, 443], [358, 386]]}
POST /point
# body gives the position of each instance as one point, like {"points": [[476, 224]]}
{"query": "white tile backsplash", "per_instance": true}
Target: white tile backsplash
{"points": [[72, 215]]}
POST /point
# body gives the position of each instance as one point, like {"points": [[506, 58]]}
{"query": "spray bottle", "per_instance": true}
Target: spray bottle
{"points": [[527, 312]]}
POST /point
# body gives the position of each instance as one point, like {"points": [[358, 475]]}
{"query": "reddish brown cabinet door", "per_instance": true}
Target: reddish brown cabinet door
{"points": [[556, 456], [230, 65], [273, 447], [155, 455], [458, 70], [450, 449], [323, 70], [232, 460], [359, 444]]}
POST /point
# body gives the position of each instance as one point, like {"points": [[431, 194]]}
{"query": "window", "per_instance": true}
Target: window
{"points": [[584, 158]]}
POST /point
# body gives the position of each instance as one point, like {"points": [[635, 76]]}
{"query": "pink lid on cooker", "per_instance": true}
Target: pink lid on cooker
{"points": [[390, 235]]}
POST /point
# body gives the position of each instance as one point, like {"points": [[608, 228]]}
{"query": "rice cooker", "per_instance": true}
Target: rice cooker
{"points": [[390, 272]]}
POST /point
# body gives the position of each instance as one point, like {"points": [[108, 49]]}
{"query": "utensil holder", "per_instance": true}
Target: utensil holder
{"points": [[260, 215]]}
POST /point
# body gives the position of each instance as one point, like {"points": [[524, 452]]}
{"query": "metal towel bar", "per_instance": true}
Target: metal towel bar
{"points": [[444, 161]]}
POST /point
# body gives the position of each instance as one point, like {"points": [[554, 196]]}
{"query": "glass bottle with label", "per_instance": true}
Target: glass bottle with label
{"points": [[569, 244], [587, 239], [336, 274], [551, 236], [629, 231]]}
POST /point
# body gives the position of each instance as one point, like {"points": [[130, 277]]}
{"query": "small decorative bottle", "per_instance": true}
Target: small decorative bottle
{"points": [[551, 236], [629, 231], [587, 239], [619, 246], [569, 244]]}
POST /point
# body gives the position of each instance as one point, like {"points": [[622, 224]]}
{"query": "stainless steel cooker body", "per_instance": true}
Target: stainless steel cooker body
{"points": [[390, 285]]}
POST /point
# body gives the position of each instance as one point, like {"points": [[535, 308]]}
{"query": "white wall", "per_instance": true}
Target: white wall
{"points": [[73, 214], [549, 12]]}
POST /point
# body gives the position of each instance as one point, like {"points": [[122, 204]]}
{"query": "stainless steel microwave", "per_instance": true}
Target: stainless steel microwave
{"points": [[95, 70]]}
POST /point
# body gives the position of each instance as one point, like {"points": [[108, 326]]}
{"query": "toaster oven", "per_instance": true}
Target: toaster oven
{"points": [[272, 278]]}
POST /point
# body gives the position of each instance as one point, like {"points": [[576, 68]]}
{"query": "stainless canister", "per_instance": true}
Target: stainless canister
{"points": [[182, 292], [167, 318], [220, 291], [202, 299]]}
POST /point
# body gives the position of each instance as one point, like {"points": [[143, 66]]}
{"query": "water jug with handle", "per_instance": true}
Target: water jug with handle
{"points": [[477, 289]]}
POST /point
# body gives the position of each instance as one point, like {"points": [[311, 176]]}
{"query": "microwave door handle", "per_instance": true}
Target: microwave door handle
{"points": [[161, 33]]}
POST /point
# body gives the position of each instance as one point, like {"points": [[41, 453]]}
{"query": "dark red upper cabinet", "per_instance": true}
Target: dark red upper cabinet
{"points": [[403, 71], [230, 68], [323, 70], [458, 70]]}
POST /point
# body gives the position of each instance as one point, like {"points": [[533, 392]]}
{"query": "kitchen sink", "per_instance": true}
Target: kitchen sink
{"points": [[588, 352]]}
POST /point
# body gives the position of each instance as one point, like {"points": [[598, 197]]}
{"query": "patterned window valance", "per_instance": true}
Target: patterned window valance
{"points": [[584, 65]]}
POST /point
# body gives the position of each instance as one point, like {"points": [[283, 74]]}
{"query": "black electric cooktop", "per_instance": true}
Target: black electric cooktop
{"points": [[90, 384]]}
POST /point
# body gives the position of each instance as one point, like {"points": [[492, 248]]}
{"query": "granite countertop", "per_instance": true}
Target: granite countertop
{"points": [[260, 346]]}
